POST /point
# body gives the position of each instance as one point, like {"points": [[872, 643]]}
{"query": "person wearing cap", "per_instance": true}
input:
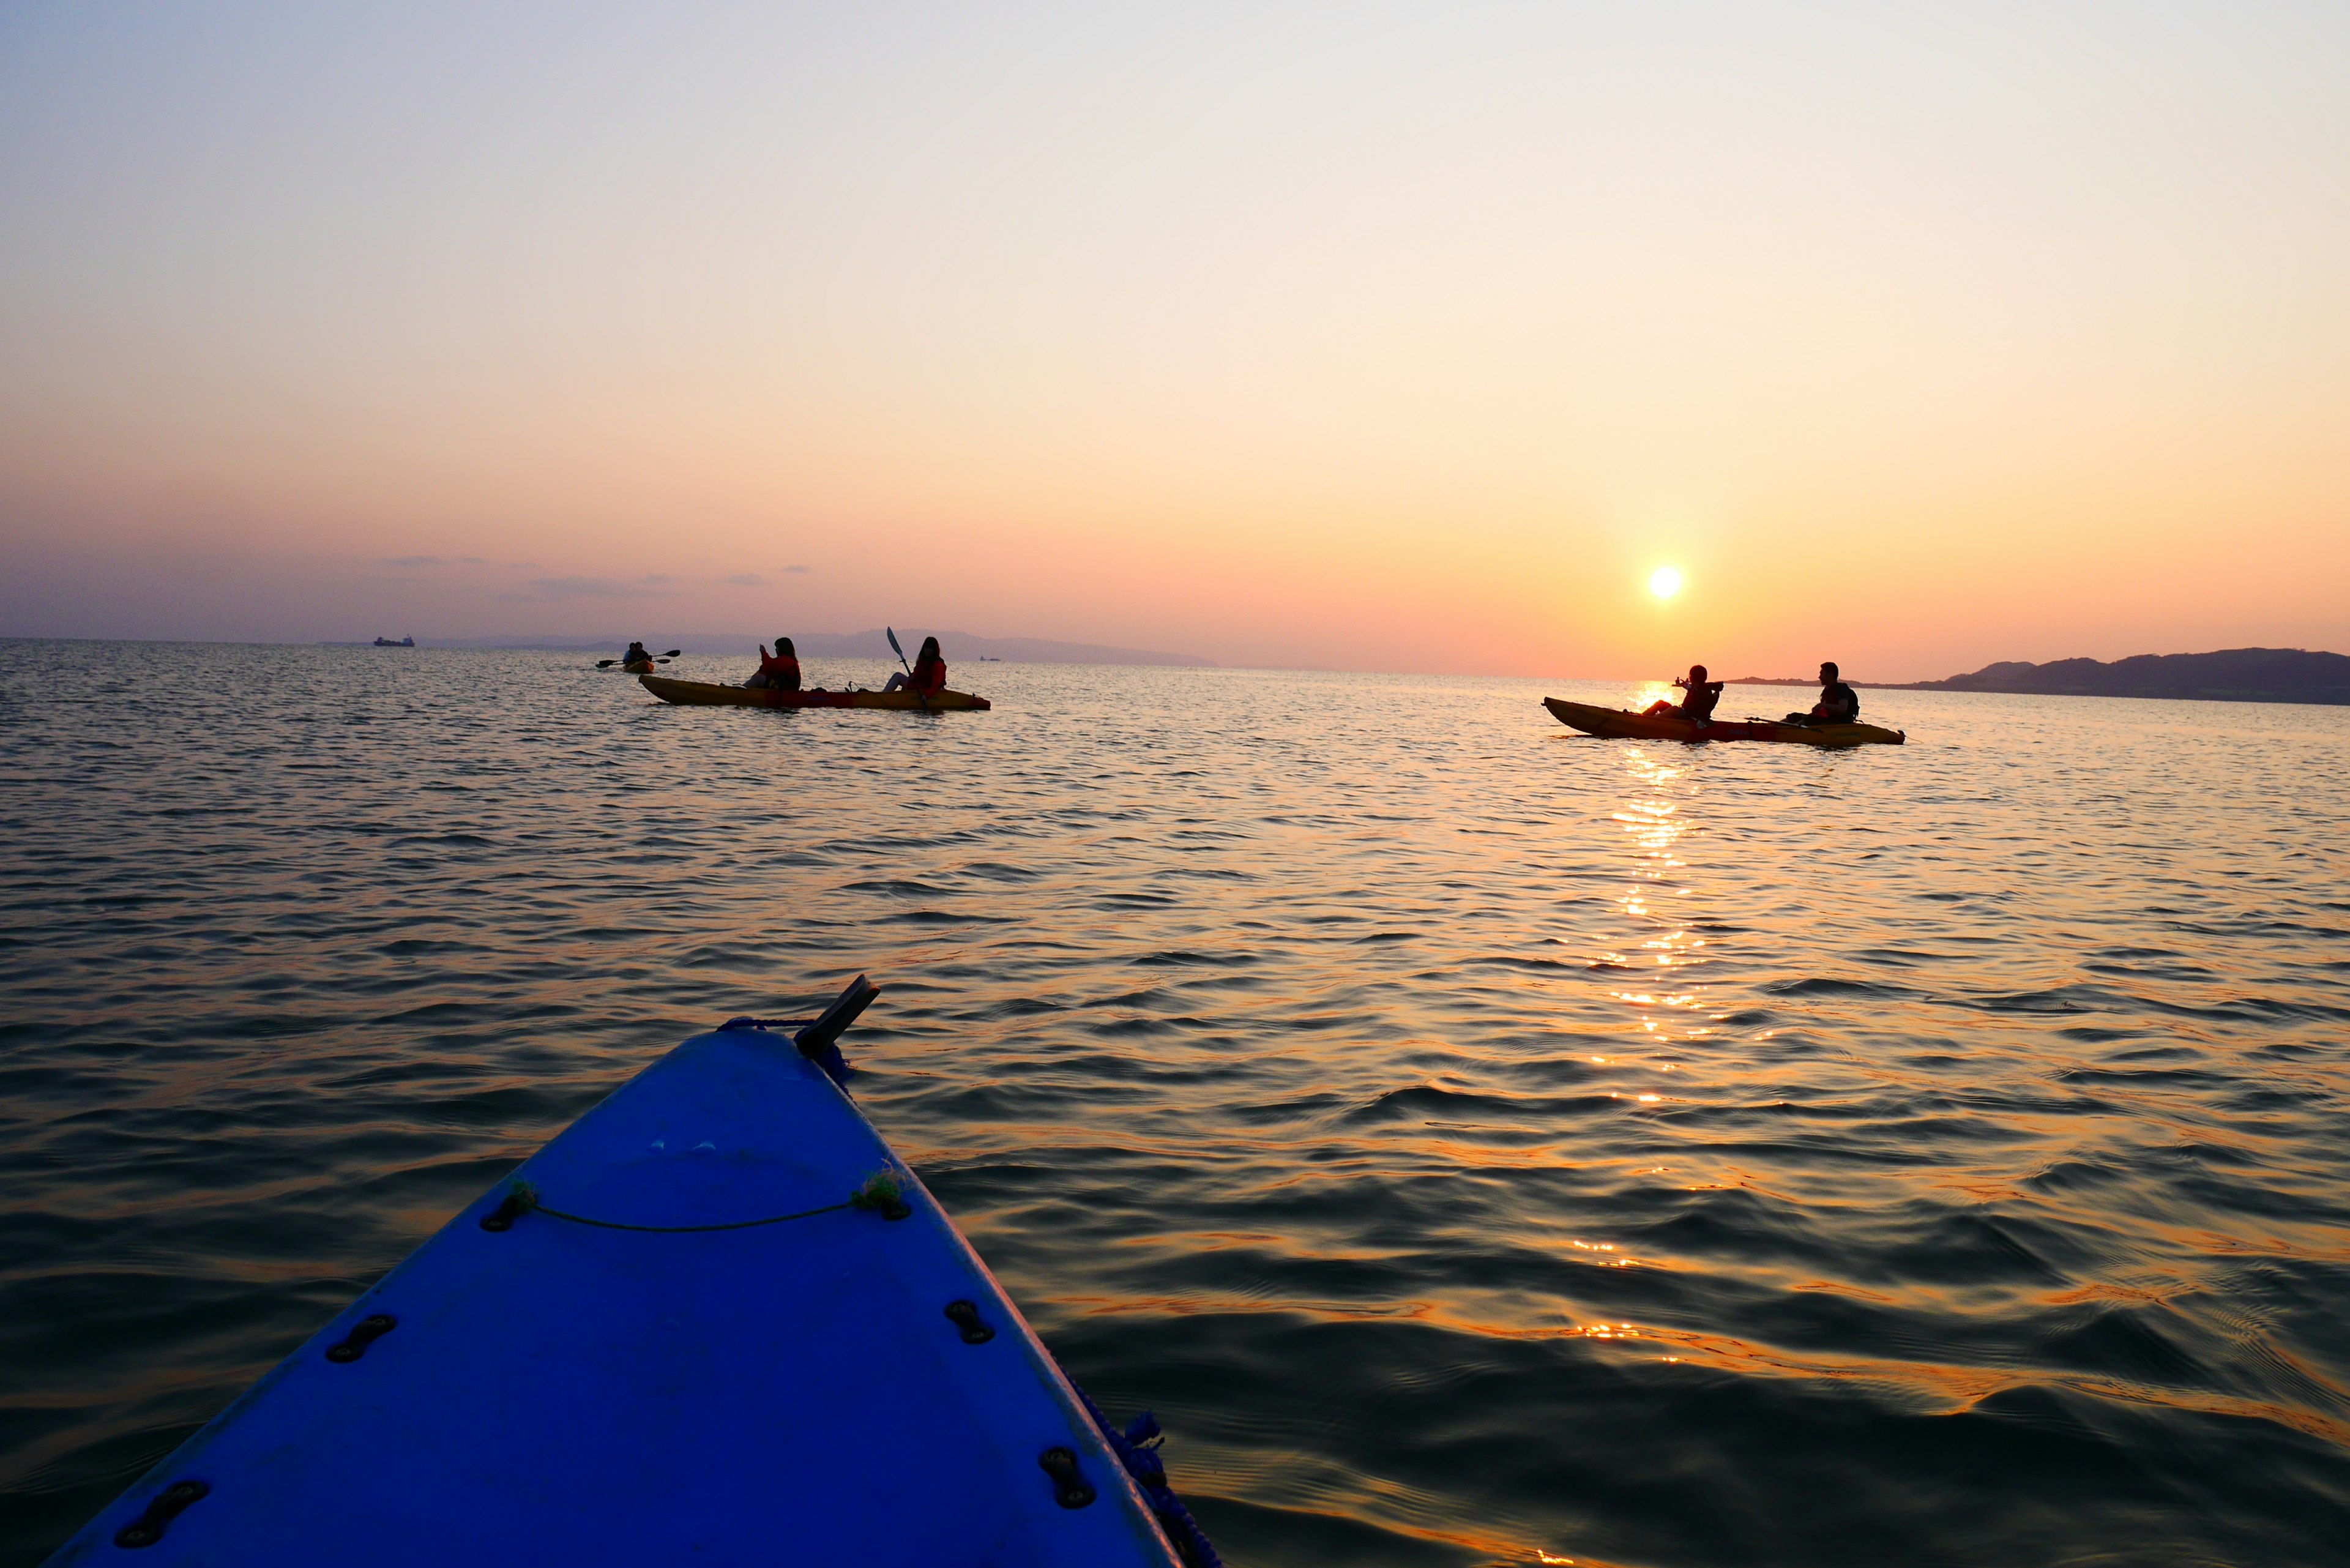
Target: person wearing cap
{"points": [[1698, 696]]}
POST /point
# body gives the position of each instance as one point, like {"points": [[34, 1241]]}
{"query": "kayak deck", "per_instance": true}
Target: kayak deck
{"points": [[1622, 723], [708, 694], [673, 1336]]}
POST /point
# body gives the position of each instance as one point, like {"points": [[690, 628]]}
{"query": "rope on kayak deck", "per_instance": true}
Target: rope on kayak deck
{"points": [[880, 1194], [1134, 1450]]}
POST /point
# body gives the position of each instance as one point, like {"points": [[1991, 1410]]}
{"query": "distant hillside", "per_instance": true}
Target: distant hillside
{"points": [[958, 645], [2232, 675]]}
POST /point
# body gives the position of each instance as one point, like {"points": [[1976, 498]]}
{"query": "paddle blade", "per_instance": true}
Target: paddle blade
{"points": [[892, 633], [673, 653], [606, 663]]}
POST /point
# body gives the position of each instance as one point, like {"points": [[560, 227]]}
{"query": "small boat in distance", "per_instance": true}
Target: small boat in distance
{"points": [[403, 642]]}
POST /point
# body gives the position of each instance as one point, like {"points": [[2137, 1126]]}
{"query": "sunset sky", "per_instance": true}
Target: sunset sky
{"points": [[1371, 338]]}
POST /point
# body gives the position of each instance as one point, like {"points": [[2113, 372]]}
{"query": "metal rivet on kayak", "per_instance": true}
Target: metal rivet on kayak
{"points": [[1069, 1487], [148, 1528], [364, 1332], [966, 1318]]}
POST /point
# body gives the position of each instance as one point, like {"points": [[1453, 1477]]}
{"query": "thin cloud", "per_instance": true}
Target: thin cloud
{"points": [[744, 580], [541, 589], [420, 563], [797, 570]]}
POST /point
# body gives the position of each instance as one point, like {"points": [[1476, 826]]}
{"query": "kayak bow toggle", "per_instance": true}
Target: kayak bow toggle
{"points": [[819, 1039]]}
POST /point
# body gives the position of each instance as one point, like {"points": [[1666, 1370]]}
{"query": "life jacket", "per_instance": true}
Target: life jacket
{"points": [[780, 674], [930, 677]]}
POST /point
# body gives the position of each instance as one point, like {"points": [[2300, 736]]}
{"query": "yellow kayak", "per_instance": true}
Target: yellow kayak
{"points": [[1620, 721], [704, 694]]}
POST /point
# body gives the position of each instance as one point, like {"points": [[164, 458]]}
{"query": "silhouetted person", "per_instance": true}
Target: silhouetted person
{"points": [[637, 661], [929, 676], [781, 673], [1838, 703], [1697, 704]]}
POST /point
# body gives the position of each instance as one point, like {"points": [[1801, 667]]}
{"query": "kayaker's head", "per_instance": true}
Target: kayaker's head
{"points": [[784, 648], [1827, 673], [1697, 674], [929, 650]]}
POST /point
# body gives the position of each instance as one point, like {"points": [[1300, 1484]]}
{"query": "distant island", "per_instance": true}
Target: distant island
{"points": [[2231, 675]]}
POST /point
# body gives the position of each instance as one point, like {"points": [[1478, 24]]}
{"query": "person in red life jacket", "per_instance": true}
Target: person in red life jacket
{"points": [[929, 676], [1697, 705], [781, 673]]}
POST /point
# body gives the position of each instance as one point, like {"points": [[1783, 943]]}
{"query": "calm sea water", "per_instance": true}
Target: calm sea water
{"points": [[1479, 1143]]}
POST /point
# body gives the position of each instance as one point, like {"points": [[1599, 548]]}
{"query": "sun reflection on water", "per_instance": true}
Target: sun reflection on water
{"points": [[1294, 1051]]}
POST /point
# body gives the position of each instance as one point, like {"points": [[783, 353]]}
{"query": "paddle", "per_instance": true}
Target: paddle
{"points": [[658, 659], [892, 632]]}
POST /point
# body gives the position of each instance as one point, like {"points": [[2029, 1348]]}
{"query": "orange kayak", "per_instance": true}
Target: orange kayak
{"points": [[1622, 723], [705, 694]]}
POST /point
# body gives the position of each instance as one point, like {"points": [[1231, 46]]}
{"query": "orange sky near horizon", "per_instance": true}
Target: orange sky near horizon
{"points": [[1409, 340]]}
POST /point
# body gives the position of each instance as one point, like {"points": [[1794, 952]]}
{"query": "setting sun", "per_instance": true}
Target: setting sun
{"points": [[1665, 582]]}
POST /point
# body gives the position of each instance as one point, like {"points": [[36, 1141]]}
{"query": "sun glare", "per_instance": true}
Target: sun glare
{"points": [[1664, 582]]}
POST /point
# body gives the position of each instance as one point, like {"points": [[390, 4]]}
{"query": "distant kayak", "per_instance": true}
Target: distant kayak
{"points": [[704, 693], [1620, 721], [639, 666], [715, 1321]]}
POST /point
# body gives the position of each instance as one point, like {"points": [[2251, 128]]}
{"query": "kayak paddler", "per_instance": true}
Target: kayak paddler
{"points": [[1838, 703], [929, 676], [637, 660], [780, 673], [1697, 703]]}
